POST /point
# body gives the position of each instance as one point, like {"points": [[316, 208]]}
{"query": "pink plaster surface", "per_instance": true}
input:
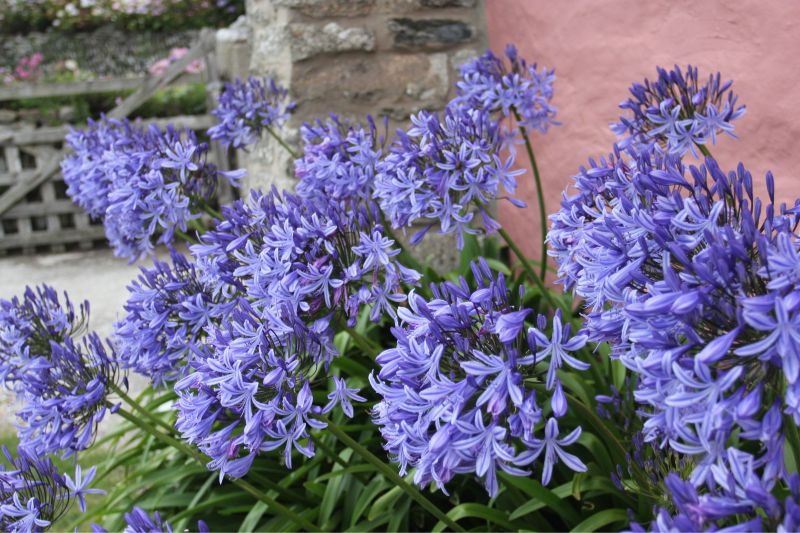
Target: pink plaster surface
{"points": [[599, 48]]}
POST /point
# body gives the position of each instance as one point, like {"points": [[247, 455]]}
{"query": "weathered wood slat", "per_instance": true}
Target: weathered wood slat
{"points": [[16, 92], [18, 191], [83, 87], [55, 134], [47, 207], [13, 160], [11, 178], [37, 238]]}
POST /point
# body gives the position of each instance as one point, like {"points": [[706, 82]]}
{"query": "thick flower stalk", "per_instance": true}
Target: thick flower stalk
{"points": [[247, 108], [33, 494], [444, 170], [339, 160], [294, 272], [62, 381], [458, 390], [143, 183], [693, 283], [509, 89], [678, 112]]}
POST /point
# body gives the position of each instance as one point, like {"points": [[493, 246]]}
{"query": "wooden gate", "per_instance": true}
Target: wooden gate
{"points": [[35, 212]]}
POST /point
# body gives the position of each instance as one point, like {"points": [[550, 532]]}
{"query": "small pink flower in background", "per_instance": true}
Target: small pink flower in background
{"points": [[28, 67], [174, 55], [159, 66]]}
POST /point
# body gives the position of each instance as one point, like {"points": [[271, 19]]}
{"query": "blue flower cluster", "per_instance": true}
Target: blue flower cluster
{"points": [[693, 282], [677, 112], [62, 382], [167, 313], [139, 521], [517, 89], [443, 170], [740, 495], [143, 183], [33, 494], [247, 108], [339, 160], [457, 389], [283, 273]]}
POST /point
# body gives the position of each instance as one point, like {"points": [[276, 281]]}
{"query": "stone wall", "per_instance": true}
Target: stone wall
{"points": [[105, 51], [358, 57]]}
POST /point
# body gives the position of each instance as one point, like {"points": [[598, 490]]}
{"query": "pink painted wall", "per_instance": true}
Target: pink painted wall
{"points": [[599, 48]]}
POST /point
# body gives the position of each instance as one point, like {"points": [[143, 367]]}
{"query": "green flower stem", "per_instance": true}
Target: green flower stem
{"points": [[607, 435], [282, 142], [139, 407], [366, 345], [185, 237], [390, 473], [171, 431], [213, 213], [196, 225], [539, 192], [704, 150], [791, 434], [793, 438], [242, 484], [588, 412], [532, 274]]}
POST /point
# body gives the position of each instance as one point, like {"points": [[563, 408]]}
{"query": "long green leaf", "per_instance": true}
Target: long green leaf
{"points": [[477, 510], [601, 519], [333, 491], [542, 497], [370, 492], [384, 502]]}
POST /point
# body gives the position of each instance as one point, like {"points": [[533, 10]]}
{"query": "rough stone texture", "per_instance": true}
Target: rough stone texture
{"points": [[600, 48], [7, 116], [267, 162], [447, 3], [329, 8], [233, 49], [308, 40], [429, 33], [359, 57], [356, 85], [436, 250]]}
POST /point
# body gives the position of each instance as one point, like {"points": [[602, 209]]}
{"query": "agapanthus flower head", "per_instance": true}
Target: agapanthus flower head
{"points": [[168, 311], [678, 111], [509, 88], [247, 108], [33, 494], [292, 271], [143, 183], [445, 169], [740, 501], [690, 280], [61, 381], [140, 521], [457, 389], [84, 170], [339, 160]]}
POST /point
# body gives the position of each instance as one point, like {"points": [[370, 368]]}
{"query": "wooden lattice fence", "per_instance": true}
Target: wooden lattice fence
{"points": [[35, 212]]}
